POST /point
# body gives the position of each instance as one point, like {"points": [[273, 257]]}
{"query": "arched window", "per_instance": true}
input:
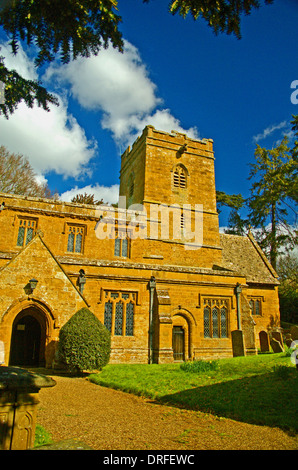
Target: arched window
{"points": [[180, 177]]}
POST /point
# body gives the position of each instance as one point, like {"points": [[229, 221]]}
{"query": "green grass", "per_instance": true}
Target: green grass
{"points": [[255, 389], [42, 437]]}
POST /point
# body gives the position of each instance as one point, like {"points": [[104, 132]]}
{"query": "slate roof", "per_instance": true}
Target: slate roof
{"points": [[244, 256]]}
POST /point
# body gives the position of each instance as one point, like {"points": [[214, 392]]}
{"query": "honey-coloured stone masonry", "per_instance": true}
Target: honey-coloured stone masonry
{"points": [[155, 270]]}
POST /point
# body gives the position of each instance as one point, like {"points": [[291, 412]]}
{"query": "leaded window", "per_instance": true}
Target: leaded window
{"points": [[119, 319], [215, 318], [129, 319], [255, 306], [27, 230], [207, 322], [75, 238], [223, 322], [108, 315], [215, 322], [119, 312], [122, 245]]}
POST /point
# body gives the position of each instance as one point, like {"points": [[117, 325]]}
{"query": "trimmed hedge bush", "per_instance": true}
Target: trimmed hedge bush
{"points": [[84, 342]]}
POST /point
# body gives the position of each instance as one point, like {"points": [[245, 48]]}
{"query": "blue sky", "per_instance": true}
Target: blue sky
{"points": [[174, 74]]}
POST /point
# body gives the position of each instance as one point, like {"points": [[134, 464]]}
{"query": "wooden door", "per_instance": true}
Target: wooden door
{"points": [[178, 343], [25, 342]]}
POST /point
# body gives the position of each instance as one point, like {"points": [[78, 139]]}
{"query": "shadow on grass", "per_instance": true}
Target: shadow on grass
{"points": [[269, 399]]}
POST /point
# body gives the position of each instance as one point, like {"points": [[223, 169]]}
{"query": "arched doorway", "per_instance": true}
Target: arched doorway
{"points": [[28, 339], [182, 335]]}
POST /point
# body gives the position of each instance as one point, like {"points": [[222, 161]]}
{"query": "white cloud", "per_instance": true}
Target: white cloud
{"points": [[269, 130], [20, 62], [109, 194], [161, 120], [52, 141], [117, 84]]}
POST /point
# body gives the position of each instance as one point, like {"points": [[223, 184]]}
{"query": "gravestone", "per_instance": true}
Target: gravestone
{"points": [[294, 332], [264, 341], [276, 346], [278, 336], [288, 340], [238, 343]]}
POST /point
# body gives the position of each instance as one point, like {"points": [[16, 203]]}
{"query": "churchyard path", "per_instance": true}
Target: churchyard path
{"points": [[106, 419]]}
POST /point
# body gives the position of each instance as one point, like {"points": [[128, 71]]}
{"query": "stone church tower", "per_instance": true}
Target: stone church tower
{"points": [[175, 173]]}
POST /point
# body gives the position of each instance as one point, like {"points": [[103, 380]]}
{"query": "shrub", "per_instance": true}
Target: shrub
{"points": [[199, 366], [84, 342]]}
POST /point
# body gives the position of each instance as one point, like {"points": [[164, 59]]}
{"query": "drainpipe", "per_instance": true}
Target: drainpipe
{"points": [[238, 291], [152, 285]]}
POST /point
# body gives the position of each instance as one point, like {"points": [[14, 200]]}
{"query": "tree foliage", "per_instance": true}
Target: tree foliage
{"points": [[63, 29], [223, 16], [87, 199], [235, 202], [18, 88], [18, 177], [67, 29], [273, 198], [287, 268]]}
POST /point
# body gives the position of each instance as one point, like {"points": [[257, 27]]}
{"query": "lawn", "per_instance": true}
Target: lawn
{"points": [[255, 389]]}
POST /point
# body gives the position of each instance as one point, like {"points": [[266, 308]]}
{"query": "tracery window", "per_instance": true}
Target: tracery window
{"points": [[75, 239], [119, 312], [180, 177], [26, 231], [215, 318]]}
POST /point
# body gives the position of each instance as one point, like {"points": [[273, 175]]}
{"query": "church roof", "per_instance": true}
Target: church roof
{"points": [[243, 255]]}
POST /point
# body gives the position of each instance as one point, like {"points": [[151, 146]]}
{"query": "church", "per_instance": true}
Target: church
{"points": [[155, 270]]}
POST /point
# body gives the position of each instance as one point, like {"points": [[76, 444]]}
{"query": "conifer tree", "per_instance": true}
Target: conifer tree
{"points": [[274, 174]]}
